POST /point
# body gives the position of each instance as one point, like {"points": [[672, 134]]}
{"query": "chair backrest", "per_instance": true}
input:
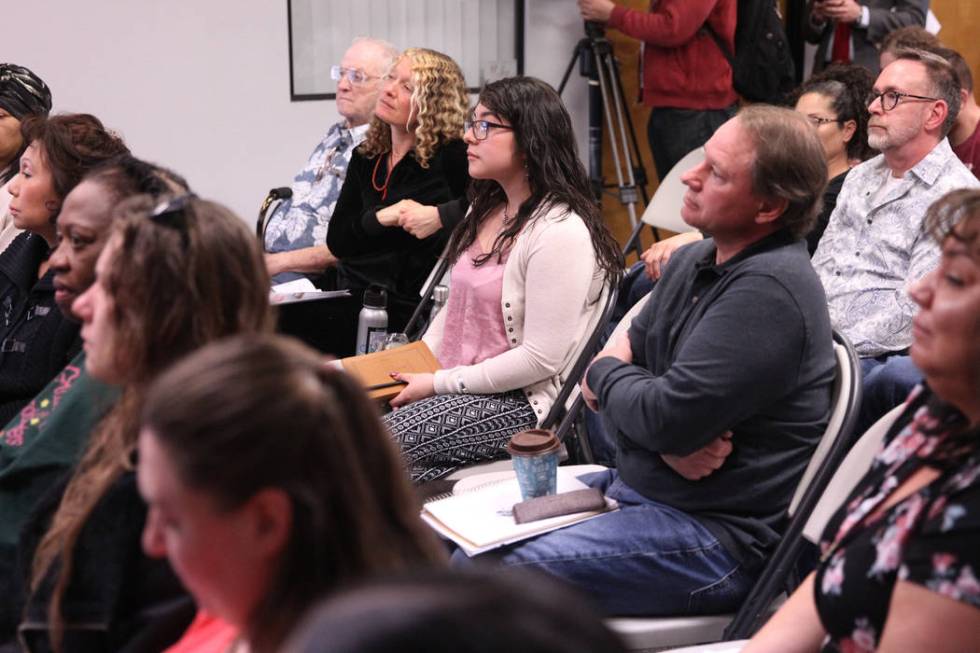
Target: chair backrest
{"points": [[586, 352], [664, 209], [847, 380], [824, 461], [848, 473], [417, 324], [271, 201], [574, 402]]}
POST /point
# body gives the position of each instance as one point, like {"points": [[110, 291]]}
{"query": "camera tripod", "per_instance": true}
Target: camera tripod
{"points": [[597, 62]]}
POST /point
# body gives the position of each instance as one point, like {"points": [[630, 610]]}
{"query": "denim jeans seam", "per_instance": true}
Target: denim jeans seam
{"points": [[689, 552], [710, 586]]}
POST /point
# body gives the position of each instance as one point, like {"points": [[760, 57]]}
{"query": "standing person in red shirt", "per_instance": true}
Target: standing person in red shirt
{"points": [[685, 77]]}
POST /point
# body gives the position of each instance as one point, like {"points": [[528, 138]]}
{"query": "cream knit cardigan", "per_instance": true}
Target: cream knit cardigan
{"points": [[552, 297]]}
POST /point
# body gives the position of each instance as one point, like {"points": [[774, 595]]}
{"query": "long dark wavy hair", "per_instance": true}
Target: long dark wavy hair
{"points": [[543, 131]]}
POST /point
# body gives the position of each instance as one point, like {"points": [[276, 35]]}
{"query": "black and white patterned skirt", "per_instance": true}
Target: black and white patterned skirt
{"points": [[439, 434]]}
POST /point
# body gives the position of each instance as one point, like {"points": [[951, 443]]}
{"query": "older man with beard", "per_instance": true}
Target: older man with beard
{"points": [[875, 244]]}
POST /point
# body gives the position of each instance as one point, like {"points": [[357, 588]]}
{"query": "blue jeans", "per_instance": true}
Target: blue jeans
{"points": [[644, 559], [888, 380]]}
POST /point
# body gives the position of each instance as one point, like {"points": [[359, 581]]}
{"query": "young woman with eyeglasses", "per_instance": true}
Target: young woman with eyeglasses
{"points": [[531, 262], [413, 151], [170, 279], [834, 101]]}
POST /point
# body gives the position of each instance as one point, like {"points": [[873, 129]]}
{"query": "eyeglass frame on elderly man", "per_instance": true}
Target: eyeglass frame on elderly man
{"points": [[898, 97], [354, 76], [484, 126]]}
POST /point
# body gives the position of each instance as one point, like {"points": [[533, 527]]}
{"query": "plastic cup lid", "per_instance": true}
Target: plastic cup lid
{"points": [[532, 443]]}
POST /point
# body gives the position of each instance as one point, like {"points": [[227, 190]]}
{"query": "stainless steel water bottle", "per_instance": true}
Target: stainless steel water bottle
{"points": [[372, 323], [440, 295]]}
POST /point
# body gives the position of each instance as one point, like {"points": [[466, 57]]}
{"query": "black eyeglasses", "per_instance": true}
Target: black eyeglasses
{"points": [[172, 214], [820, 120], [890, 99], [481, 128]]}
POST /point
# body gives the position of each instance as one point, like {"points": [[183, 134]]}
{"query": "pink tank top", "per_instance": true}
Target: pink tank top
{"points": [[474, 328]]}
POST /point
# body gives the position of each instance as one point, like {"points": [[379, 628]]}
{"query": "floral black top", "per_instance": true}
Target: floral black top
{"points": [[931, 538]]}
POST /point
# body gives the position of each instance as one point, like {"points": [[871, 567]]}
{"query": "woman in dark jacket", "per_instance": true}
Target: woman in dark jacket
{"points": [[36, 339]]}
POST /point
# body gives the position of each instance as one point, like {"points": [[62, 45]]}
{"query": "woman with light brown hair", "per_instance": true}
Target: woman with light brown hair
{"points": [[413, 155], [260, 523], [170, 279]]}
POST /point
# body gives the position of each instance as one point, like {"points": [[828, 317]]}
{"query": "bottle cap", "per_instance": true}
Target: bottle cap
{"points": [[533, 442], [375, 297]]}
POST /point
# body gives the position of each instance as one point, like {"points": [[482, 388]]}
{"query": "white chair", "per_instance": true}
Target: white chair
{"points": [[657, 633], [664, 209]]}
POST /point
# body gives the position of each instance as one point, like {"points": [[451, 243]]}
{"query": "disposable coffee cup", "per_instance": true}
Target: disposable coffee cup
{"points": [[535, 457]]}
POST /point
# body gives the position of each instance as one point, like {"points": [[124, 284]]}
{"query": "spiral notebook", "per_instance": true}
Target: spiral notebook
{"points": [[480, 518]]}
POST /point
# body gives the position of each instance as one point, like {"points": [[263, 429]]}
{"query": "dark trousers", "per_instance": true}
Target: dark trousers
{"points": [[675, 132], [330, 325]]}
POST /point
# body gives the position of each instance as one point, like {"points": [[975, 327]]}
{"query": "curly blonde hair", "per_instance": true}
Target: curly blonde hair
{"points": [[439, 106]]}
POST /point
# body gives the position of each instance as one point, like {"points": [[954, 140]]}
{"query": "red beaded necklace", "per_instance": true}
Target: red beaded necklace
{"points": [[383, 188]]}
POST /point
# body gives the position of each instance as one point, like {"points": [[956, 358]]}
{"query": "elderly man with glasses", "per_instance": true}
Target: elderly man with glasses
{"points": [[296, 234], [875, 244]]}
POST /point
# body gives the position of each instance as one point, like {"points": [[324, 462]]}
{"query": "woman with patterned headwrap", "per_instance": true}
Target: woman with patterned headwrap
{"points": [[22, 94]]}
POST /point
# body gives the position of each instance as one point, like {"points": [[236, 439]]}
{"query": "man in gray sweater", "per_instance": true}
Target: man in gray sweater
{"points": [[718, 393]]}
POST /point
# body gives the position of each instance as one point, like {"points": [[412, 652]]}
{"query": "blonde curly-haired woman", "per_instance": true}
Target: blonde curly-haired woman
{"points": [[413, 156]]}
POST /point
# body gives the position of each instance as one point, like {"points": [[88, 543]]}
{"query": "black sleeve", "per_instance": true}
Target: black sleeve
{"points": [[341, 238], [354, 229], [452, 213], [456, 168]]}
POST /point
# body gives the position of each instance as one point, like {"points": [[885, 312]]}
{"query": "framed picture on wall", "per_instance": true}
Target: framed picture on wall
{"points": [[485, 37]]}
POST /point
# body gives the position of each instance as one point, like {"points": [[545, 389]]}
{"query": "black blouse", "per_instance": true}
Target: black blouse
{"points": [[391, 257], [930, 538]]}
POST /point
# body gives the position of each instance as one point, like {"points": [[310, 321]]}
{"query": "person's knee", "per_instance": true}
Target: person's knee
{"points": [[892, 380]]}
